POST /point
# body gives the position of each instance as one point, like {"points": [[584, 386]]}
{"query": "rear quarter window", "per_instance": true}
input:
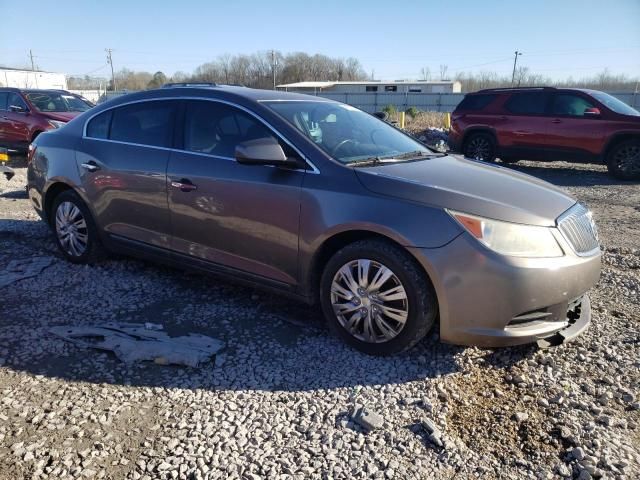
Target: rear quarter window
{"points": [[475, 102], [98, 126]]}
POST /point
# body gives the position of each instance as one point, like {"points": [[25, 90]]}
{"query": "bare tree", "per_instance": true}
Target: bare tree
{"points": [[425, 74], [443, 72]]}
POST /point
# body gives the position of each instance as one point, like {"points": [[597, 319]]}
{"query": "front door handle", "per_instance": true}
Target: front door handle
{"points": [[556, 120], [184, 185], [90, 166]]}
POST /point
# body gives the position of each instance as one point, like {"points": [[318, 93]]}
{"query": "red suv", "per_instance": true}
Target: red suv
{"points": [[24, 114], [548, 124]]}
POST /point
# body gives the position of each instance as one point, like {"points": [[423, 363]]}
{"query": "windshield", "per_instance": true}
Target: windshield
{"points": [[346, 133], [57, 102], [614, 104]]}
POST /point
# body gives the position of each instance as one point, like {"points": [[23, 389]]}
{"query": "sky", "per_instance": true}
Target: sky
{"points": [[393, 39]]}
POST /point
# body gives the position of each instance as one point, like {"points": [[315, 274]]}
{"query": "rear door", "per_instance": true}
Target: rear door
{"points": [[4, 97], [16, 128], [243, 217], [522, 128], [122, 160], [572, 134]]}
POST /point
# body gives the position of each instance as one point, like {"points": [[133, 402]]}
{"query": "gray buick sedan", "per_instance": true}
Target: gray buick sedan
{"points": [[325, 203]]}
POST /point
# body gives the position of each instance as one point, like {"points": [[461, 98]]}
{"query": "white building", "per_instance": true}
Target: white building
{"points": [[13, 77], [374, 86]]}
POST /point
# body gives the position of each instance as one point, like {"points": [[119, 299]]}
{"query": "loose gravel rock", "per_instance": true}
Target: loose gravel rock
{"points": [[280, 403]]}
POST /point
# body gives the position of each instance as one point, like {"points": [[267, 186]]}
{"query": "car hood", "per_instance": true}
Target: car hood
{"points": [[469, 186], [62, 116]]}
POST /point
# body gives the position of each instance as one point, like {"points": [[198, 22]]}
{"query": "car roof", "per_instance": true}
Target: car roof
{"points": [[532, 89], [222, 92]]}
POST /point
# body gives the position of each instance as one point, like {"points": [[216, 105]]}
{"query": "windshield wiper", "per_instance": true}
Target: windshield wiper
{"points": [[379, 160]]}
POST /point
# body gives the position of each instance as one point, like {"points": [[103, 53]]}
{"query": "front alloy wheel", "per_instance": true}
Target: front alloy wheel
{"points": [[377, 298], [369, 301]]}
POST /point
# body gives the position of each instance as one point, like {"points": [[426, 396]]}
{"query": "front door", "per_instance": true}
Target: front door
{"points": [[571, 132], [123, 163], [243, 217]]}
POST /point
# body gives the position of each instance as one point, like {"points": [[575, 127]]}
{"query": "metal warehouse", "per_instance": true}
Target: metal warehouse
{"points": [[14, 77], [374, 86]]}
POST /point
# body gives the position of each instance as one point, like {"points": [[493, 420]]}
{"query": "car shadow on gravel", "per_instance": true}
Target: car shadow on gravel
{"points": [[568, 176], [272, 343]]}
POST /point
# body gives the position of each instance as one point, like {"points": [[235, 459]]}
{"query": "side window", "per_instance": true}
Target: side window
{"points": [[390, 88], [4, 96], [146, 123], [569, 104], [16, 100], [98, 127], [371, 88], [528, 103], [475, 102], [216, 129]]}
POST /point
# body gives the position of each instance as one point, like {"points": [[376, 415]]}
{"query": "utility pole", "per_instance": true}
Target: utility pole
{"points": [[33, 68], [110, 62], [274, 66], [515, 61]]}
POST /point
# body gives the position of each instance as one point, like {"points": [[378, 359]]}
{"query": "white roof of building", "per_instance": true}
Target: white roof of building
{"points": [[369, 82]]}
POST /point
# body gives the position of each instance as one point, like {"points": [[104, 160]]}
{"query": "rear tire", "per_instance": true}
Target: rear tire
{"points": [[480, 146], [623, 160], [74, 229], [397, 298]]}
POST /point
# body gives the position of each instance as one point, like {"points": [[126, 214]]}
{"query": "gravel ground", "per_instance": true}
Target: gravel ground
{"points": [[278, 402]]}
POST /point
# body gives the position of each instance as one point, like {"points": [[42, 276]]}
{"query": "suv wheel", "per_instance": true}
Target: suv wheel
{"points": [[376, 298], [623, 161], [480, 146], [74, 229]]}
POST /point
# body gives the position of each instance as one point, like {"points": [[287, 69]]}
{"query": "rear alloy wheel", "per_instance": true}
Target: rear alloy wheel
{"points": [[376, 298], [75, 232], [623, 161], [480, 146]]}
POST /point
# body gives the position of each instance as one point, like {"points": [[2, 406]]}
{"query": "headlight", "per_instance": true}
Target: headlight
{"points": [[56, 123], [510, 238]]}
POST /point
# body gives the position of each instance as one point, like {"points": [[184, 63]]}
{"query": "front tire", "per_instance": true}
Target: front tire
{"points": [[376, 298], [74, 229], [480, 146], [623, 160]]}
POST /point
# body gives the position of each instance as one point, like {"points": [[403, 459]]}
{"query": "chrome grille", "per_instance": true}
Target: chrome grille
{"points": [[578, 227]]}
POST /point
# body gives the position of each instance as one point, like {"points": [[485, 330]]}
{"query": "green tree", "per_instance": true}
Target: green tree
{"points": [[158, 80]]}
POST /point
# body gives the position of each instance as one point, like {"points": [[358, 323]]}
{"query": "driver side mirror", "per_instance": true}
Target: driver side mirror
{"points": [[262, 151], [592, 112], [17, 109]]}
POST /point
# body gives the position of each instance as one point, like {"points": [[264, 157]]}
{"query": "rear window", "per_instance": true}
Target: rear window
{"points": [[475, 102], [146, 123], [4, 96], [527, 103]]}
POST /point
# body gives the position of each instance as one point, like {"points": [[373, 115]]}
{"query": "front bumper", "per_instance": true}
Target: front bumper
{"points": [[490, 300]]}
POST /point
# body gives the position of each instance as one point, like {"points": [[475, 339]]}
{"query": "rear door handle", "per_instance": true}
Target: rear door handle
{"points": [[184, 185], [90, 166], [556, 120]]}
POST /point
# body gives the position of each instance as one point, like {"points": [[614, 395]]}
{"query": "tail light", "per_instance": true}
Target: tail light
{"points": [[31, 152]]}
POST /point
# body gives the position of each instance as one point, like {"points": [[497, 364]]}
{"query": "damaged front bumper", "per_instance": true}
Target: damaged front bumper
{"points": [[489, 300]]}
